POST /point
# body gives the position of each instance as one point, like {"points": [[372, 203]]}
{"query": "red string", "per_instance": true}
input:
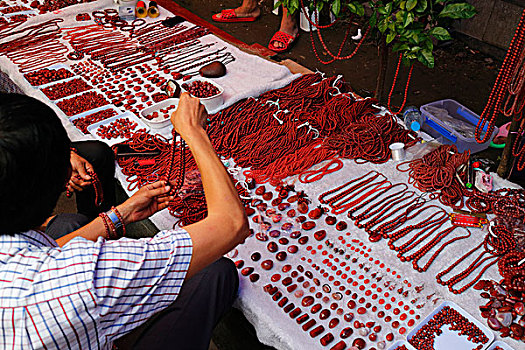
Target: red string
{"points": [[394, 84]]}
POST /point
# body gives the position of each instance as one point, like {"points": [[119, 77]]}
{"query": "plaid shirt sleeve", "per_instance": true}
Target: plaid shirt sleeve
{"points": [[136, 278]]}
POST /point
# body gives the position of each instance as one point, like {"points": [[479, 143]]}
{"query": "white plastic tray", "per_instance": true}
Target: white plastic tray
{"points": [[399, 343], [160, 122], [501, 344], [449, 340], [53, 67], [81, 115], [93, 127]]}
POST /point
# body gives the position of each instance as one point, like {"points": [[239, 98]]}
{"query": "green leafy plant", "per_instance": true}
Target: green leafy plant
{"points": [[408, 27], [411, 26], [336, 6]]}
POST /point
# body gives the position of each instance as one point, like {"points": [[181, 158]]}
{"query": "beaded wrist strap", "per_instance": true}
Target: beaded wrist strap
{"points": [[120, 222], [113, 222], [111, 232]]}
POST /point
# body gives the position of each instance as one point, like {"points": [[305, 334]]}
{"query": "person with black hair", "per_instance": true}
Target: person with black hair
{"points": [[85, 290]]}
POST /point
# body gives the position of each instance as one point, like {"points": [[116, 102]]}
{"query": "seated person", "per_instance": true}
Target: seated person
{"points": [[94, 193], [85, 290]]}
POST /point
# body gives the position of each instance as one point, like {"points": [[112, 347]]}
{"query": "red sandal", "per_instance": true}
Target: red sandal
{"points": [[286, 39], [229, 16]]}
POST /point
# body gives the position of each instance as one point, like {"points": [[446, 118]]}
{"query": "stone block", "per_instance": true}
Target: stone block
{"points": [[476, 26], [502, 24]]}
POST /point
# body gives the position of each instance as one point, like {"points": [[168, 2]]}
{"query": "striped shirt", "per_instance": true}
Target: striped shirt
{"points": [[85, 294]]}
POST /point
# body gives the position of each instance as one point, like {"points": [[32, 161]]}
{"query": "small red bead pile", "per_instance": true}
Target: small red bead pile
{"points": [[402, 347], [201, 89], [14, 9], [436, 172], [71, 87], [425, 336], [45, 76], [83, 122], [82, 103]]}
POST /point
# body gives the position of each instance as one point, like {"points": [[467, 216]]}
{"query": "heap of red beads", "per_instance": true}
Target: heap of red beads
{"points": [[83, 122], [45, 76], [425, 336], [82, 103], [70, 87], [201, 89]]}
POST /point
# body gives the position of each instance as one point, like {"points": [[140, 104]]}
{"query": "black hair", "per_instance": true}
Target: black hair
{"points": [[34, 162]]}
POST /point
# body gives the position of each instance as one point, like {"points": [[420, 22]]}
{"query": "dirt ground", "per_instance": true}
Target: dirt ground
{"points": [[460, 73]]}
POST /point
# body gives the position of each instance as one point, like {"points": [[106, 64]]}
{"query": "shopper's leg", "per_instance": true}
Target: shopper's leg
{"points": [[188, 322], [63, 224], [248, 8], [102, 159]]}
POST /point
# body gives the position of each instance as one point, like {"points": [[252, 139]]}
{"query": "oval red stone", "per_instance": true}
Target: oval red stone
{"points": [[320, 235], [246, 271], [346, 332], [325, 313], [281, 256], [307, 300], [295, 234], [330, 220], [272, 247], [333, 323], [341, 225], [315, 309], [267, 264], [303, 240], [359, 343], [283, 241], [308, 225]]}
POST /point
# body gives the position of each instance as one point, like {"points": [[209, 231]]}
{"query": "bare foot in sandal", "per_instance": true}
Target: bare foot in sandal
{"points": [[289, 27], [248, 8]]}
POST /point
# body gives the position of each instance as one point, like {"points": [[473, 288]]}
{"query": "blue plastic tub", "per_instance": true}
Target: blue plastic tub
{"points": [[443, 132]]}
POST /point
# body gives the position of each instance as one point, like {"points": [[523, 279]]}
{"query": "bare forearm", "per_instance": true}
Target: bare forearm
{"points": [[91, 231], [94, 229], [221, 195]]}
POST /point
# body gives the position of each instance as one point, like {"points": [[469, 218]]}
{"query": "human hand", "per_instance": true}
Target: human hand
{"points": [[189, 116], [80, 178], [145, 202]]}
